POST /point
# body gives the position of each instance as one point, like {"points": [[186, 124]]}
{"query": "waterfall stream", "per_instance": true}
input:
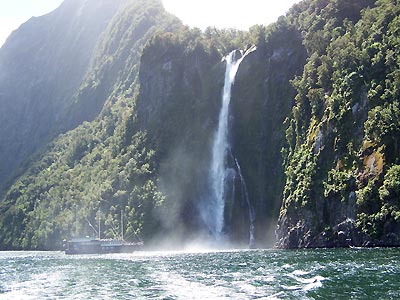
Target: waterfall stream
{"points": [[214, 214], [247, 199]]}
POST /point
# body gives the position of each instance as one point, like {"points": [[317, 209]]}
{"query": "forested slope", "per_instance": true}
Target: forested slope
{"points": [[99, 165], [42, 66], [342, 157]]}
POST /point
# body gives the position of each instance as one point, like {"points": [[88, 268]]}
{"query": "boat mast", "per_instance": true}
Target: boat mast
{"points": [[99, 226], [122, 224]]}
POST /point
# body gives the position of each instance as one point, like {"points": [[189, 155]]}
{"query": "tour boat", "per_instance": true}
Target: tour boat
{"points": [[100, 246]]}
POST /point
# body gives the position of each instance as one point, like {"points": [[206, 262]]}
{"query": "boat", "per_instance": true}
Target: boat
{"points": [[100, 246]]}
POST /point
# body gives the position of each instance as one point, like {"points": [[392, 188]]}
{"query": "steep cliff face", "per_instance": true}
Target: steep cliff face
{"points": [[342, 154], [116, 60], [262, 100], [181, 79], [42, 65]]}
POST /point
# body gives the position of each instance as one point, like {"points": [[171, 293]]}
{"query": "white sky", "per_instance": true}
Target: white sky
{"points": [[240, 14]]}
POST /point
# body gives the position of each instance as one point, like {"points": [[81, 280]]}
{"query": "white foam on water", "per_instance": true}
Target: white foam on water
{"points": [[300, 272], [177, 287]]}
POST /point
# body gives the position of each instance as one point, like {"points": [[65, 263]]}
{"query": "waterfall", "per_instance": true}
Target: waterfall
{"points": [[251, 209], [213, 215]]}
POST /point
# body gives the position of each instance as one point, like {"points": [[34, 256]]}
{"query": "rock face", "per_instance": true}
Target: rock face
{"points": [[180, 88], [262, 100]]}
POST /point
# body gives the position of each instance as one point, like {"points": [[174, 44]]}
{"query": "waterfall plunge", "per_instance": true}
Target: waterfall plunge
{"points": [[213, 215]]}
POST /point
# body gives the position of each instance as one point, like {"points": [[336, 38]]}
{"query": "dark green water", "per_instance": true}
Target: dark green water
{"points": [[258, 274]]}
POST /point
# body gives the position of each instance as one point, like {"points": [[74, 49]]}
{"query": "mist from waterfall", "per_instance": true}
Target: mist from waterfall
{"points": [[213, 212]]}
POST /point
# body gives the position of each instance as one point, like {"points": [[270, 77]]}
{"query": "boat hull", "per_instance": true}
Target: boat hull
{"points": [[88, 246]]}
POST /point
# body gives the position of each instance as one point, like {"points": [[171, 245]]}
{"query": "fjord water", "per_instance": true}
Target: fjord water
{"points": [[251, 274]]}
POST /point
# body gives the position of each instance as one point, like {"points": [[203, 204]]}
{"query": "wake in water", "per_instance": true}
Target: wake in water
{"points": [[248, 274], [213, 208]]}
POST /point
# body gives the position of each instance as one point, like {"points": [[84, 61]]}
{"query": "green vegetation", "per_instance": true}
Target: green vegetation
{"points": [[101, 167], [345, 124], [82, 174]]}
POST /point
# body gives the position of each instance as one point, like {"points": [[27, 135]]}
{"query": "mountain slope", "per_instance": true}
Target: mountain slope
{"points": [[42, 65], [98, 163]]}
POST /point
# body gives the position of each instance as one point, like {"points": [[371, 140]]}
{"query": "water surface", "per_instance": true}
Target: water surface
{"points": [[255, 274]]}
